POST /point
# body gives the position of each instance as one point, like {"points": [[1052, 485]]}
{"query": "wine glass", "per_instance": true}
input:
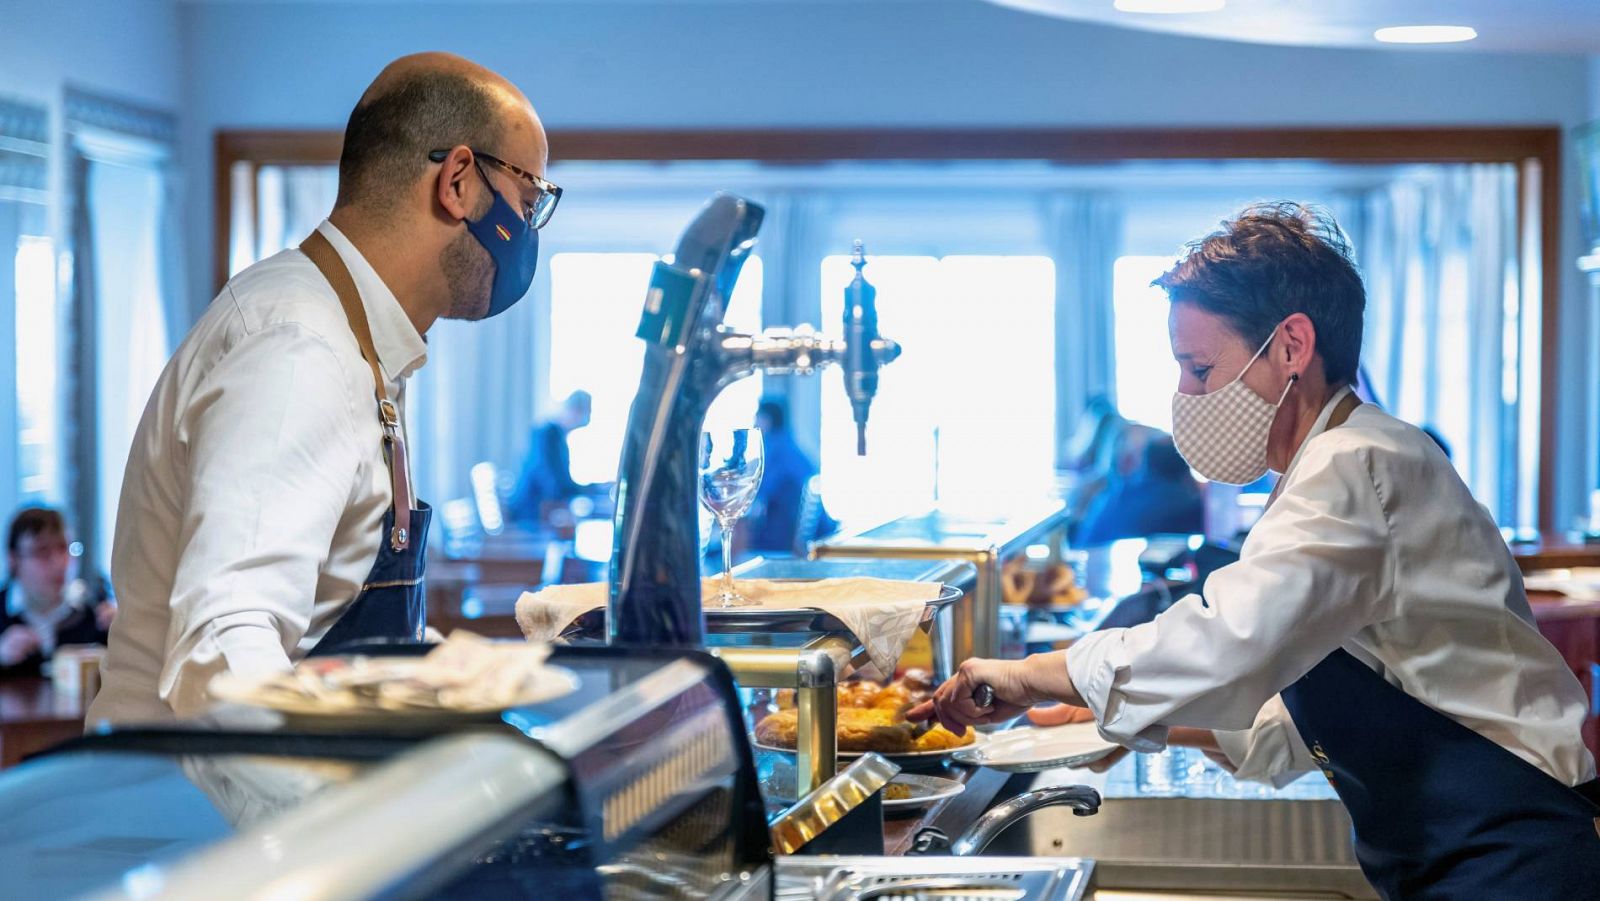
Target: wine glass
{"points": [[731, 463]]}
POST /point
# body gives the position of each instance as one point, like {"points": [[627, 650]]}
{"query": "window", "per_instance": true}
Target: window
{"points": [[132, 343], [1146, 374], [36, 369], [28, 431], [967, 414], [595, 303]]}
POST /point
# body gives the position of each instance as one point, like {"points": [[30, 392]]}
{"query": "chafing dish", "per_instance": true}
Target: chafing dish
{"points": [[986, 543], [804, 649]]}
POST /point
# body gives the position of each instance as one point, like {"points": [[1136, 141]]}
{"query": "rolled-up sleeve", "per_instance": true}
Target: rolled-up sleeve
{"points": [[1271, 750], [1315, 570], [272, 456]]}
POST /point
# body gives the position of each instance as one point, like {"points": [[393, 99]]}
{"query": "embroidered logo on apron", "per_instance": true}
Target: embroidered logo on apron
{"points": [[1324, 762]]}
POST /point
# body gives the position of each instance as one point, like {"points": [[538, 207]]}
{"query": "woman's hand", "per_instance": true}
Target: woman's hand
{"points": [[1060, 715], [1017, 685]]}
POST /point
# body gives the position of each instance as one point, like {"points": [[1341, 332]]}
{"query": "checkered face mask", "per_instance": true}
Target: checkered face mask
{"points": [[1222, 434]]}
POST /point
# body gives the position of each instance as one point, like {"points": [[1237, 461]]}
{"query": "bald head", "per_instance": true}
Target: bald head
{"points": [[426, 102]]}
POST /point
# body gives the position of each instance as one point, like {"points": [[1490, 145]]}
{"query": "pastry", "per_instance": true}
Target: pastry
{"points": [[859, 693], [941, 739], [860, 730]]}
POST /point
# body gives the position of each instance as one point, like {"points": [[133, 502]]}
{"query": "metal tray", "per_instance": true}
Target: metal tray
{"points": [[745, 620], [1035, 879]]}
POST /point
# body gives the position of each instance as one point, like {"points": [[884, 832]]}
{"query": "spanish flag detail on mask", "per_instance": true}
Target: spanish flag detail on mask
{"points": [[501, 231]]}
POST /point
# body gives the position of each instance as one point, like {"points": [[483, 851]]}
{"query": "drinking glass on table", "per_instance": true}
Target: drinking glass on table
{"points": [[731, 463]]}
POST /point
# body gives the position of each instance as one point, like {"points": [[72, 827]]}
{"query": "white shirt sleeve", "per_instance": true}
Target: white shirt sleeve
{"points": [[1315, 570], [272, 465], [1271, 750]]}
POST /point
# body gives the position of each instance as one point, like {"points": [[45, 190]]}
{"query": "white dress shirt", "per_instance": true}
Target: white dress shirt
{"points": [[256, 486], [1374, 544]]}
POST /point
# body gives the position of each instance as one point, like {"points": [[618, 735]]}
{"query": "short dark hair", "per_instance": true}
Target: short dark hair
{"points": [[390, 134], [776, 412], [1273, 260], [34, 521]]}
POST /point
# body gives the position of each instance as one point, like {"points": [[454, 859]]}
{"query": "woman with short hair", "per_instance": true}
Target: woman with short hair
{"points": [[1375, 625]]}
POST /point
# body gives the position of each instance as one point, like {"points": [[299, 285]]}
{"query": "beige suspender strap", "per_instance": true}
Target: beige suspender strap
{"points": [[327, 260], [1342, 411], [1346, 406]]}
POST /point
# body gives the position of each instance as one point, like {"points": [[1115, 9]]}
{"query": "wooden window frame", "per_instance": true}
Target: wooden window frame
{"points": [[1522, 146]]}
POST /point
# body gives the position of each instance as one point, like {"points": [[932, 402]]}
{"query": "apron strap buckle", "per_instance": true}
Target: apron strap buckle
{"points": [[388, 415]]}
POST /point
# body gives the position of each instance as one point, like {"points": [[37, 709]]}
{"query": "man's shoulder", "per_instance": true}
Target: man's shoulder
{"points": [[288, 290]]}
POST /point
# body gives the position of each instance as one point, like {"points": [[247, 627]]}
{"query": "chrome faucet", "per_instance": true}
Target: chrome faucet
{"points": [[690, 356], [1083, 800]]}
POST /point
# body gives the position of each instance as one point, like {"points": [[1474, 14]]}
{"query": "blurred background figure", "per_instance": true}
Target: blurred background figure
{"points": [[1089, 455], [546, 482], [787, 512], [47, 604], [1150, 492], [1094, 432]]}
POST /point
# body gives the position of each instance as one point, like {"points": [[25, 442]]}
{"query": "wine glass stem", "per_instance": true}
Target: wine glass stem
{"points": [[727, 555]]}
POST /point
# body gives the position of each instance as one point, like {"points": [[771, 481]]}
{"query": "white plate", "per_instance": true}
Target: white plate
{"points": [[229, 687], [901, 755], [1029, 750], [924, 791]]}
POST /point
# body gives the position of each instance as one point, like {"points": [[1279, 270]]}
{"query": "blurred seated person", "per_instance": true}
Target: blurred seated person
{"points": [[546, 479], [1092, 435], [774, 521], [1121, 451], [1159, 496], [46, 604]]}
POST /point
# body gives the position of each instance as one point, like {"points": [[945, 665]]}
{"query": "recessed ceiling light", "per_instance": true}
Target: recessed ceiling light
{"points": [[1169, 6], [1425, 34]]}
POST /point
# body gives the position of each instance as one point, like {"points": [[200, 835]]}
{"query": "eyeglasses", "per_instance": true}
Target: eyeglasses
{"points": [[546, 195]]}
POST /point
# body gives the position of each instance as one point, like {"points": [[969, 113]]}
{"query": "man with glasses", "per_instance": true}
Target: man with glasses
{"points": [[267, 511], [44, 604]]}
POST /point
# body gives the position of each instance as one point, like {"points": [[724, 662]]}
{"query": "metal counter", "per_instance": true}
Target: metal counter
{"points": [[1204, 833], [986, 543]]}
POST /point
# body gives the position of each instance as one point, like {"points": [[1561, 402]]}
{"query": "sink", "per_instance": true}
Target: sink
{"points": [[1147, 848]]}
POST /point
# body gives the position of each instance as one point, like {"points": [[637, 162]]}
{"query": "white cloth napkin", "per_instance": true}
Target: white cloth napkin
{"points": [[1580, 583], [882, 613]]}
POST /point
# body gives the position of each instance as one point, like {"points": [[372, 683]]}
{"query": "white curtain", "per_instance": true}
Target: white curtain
{"points": [[292, 201], [1085, 237], [1439, 254]]}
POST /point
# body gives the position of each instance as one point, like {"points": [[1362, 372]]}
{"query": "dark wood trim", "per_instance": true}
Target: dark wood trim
{"points": [[1371, 145], [1549, 323], [259, 148], [1465, 144]]}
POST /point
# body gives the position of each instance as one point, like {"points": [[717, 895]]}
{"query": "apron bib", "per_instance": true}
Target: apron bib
{"points": [[1439, 811], [392, 604]]}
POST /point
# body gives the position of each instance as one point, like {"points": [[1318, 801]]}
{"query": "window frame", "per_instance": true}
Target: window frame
{"points": [[1535, 150]]}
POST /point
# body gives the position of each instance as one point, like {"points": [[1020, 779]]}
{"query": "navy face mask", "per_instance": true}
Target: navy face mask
{"points": [[513, 245]]}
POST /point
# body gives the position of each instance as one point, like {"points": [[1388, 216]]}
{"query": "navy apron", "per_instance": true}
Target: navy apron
{"points": [[1438, 810], [391, 606]]}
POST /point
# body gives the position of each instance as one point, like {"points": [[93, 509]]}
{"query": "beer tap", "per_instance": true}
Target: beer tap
{"points": [[690, 356]]}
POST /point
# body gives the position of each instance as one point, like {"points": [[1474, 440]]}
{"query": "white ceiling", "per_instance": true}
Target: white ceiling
{"points": [[1550, 26], [1539, 26]]}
